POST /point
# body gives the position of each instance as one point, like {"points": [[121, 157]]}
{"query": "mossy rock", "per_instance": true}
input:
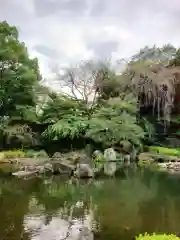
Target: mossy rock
{"points": [[157, 237]]}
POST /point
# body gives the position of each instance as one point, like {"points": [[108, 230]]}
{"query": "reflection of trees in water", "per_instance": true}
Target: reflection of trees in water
{"points": [[147, 202], [14, 200], [117, 208], [162, 213]]}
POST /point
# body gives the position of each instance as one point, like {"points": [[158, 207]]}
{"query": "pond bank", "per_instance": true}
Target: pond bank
{"points": [[76, 164], [167, 163]]}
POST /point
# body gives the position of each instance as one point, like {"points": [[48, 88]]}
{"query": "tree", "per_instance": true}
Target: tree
{"points": [[156, 54], [88, 82], [19, 74], [67, 118], [154, 84], [19, 77], [115, 121]]}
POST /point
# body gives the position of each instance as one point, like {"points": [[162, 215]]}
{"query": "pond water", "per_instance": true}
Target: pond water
{"points": [[112, 209]]}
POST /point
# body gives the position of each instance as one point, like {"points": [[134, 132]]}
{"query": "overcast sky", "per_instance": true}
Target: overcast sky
{"points": [[64, 31]]}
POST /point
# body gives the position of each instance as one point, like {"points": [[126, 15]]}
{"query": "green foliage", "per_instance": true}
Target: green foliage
{"points": [[98, 162], [18, 74], [10, 154], [114, 122], [35, 154], [156, 54], [155, 236], [145, 163], [21, 134], [112, 115], [60, 106], [165, 151], [13, 154], [71, 128]]}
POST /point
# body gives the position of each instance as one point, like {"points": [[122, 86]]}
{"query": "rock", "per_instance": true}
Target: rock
{"points": [[57, 155], [47, 167], [145, 157], [89, 150], [2, 157], [110, 164], [110, 154], [170, 167], [126, 146], [97, 153], [127, 160], [85, 234], [24, 173], [155, 157], [83, 170], [64, 167]]}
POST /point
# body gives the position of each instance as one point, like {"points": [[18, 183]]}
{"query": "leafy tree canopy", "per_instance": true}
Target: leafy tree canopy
{"points": [[19, 74]]}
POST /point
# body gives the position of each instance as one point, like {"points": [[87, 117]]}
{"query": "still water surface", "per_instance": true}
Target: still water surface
{"points": [[111, 209]]}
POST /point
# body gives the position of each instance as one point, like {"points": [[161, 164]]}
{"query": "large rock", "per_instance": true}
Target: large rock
{"points": [[24, 174], [97, 153], [62, 167], [57, 155], [83, 170], [145, 157], [126, 146], [110, 164]]}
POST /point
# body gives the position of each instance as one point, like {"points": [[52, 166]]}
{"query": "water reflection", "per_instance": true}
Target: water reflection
{"points": [[40, 209]]}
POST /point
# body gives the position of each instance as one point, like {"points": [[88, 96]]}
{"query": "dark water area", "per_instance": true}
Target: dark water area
{"points": [[111, 209]]}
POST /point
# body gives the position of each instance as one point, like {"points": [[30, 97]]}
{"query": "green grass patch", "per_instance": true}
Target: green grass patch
{"points": [[165, 151], [157, 237], [10, 154]]}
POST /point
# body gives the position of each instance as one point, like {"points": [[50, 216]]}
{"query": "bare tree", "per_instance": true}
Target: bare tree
{"points": [[84, 80]]}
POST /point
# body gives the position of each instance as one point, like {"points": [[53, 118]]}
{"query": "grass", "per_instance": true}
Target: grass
{"points": [[12, 154], [165, 151], [155, 236]]}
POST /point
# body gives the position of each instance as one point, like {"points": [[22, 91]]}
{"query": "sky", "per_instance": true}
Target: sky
{"points": [[62, 32]]}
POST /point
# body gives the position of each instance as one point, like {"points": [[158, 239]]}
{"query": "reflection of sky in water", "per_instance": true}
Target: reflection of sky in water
{"points": [[57, 228]]}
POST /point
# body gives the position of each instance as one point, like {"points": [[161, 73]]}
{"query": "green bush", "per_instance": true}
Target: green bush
{"points": [[35, 154], [99, 162], [144, 163], [165, 151], [155, 236], [13, 154]]}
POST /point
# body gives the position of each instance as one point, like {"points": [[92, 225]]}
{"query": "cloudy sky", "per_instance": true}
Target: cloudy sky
{"points": [[64, 31]]}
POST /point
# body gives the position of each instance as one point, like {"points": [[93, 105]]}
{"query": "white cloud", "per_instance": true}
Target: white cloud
{"points": [[72, 30]]}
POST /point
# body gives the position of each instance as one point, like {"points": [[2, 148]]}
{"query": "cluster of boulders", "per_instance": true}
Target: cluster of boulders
{"points": [[80, 164], [76, 164]]}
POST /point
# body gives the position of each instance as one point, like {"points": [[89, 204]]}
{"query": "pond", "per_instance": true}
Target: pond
{"points": [[55, 208]]}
